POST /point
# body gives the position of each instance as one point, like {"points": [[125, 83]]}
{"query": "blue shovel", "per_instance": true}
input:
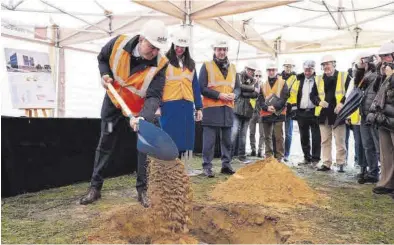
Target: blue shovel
{"points": [[151, 139]]}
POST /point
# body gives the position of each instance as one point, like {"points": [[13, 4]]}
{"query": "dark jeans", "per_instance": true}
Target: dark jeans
{"points": [[370, 143], [308, 124], [238, 133], [288, 136], [208, 147], [110, 132], [359, 149]]}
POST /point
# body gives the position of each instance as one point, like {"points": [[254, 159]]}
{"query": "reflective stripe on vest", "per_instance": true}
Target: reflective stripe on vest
{"points": [[179, 84], [268, 91], [290, 83], [294, 91], [217, 82], [131, 88], [339, 90]]}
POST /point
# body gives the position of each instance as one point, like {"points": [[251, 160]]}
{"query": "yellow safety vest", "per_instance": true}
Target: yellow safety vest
{"points": [[291, 82], [217, 82], [179, 84], [294, 92], [339, 90], [355, 118]]}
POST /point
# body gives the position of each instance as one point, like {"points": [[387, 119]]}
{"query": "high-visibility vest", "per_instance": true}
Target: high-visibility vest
{"points": [[217, 82], [131, 88], [290, 83], [268, 91], [294, 91], [339, 90], [355, 117], [179, 84]]}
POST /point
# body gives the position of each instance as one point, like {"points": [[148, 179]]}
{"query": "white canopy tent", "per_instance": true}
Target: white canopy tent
{"points": [[255, 29]]}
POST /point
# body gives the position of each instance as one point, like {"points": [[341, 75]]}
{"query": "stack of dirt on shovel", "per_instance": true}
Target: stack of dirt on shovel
{"points": [[266, 182], [171, 195]]}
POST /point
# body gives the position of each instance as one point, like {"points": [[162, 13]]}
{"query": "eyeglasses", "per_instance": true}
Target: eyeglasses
{"points": [[221, 49], [257, 75]]}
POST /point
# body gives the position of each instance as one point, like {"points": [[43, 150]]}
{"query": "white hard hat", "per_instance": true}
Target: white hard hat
{"points": [[309, 64], [362, 55], [220, 43], [289, 62], [386, 48], [156, 33], [328, 58], [257, 72], [251, 64], [181, 39], [271, 65]]}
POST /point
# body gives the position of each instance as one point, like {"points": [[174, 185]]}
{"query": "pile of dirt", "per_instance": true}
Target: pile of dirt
{"points": [[266, 182], [167, 219]]}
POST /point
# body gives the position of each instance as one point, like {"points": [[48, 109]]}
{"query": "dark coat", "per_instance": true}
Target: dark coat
{"points": [[154, 92], [219, 116], [242, 103]]}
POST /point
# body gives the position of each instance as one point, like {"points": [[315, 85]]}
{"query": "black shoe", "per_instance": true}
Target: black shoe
{"points": [[324, 168], [371, 179], [143, 198], [208, 172], [306, 162], [259, 155], [253, 154], [363, 172], [382, 190], [341, 170], [228, 171], [93, 195]]}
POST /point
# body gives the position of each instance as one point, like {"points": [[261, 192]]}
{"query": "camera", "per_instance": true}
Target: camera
{"points": [[389, 64]]}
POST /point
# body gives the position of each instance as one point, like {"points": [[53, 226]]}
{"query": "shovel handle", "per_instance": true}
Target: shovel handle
{"points": [[121, 102]]}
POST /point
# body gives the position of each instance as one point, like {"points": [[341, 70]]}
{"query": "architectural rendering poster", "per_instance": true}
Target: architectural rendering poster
{"points": [[30, 78]]}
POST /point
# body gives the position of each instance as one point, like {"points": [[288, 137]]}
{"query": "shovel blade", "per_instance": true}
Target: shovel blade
{"points": [[155, 142]]}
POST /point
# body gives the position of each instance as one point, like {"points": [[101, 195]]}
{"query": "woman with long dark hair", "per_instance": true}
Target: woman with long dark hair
{"points": [[181, 95]]}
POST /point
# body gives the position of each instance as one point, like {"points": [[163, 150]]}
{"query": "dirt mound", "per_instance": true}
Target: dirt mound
{"points": [[228, 224], [267, 182]]}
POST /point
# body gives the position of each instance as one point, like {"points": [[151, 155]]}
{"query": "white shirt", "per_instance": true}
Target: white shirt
{"points": [[306, 102], [136, 53]]}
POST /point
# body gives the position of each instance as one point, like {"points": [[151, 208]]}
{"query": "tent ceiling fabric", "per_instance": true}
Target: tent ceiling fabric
{"points": [[260, 26]]}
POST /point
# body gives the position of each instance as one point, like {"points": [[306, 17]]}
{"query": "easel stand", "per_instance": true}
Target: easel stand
{"points": [[34, 112]]}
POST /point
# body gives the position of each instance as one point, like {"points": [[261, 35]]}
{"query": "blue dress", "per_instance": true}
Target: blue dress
{"points": [[177, 118]]}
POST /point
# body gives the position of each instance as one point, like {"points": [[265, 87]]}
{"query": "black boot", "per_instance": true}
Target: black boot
{"points": [[363, 172], [208, 172], [253, 154], [92, 195], [143, 198]]}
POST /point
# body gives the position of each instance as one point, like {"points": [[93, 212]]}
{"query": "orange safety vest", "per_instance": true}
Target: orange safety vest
{"points": [[217, 82], [132, 88], [179, 84], [268, 91]]}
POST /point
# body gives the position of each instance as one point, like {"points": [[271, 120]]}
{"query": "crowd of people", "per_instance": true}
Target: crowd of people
{"points": [[167, 88]]}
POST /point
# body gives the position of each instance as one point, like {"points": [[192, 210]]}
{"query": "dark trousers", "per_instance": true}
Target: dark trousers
{"points": [[208, 146], [252, 133], [370, 142], [238, 134], [308, 124], [110, 132]]}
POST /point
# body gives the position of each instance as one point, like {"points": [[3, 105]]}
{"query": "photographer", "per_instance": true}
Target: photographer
{"points": [[243, 109], [382, 115], [365, 78]]}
